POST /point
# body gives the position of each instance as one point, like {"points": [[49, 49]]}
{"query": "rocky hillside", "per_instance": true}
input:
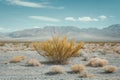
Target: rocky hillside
{"points": [[93, 34]]}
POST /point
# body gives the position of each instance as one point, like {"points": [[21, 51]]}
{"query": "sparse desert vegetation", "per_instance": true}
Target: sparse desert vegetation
{"points": [[33, 62], [109, 69], [16, 59], [98, 55], [57, 69], [77, 68], [97, 62], [58, 50], [59, 39], [86, 75]]}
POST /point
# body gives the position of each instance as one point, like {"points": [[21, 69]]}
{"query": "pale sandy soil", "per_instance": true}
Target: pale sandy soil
{"points": [[19, 71]]}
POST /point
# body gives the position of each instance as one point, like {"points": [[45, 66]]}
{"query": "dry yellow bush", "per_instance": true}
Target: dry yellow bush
{"points": [[97, 62], [33, 62], [57, 69], [58, 50], [109, 69], [16, 59], [77, 68]]}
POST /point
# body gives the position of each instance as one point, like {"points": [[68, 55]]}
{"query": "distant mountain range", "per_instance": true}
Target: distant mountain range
{"points": [[111, 33]]}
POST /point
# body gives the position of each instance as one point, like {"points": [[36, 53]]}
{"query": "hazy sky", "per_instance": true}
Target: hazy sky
{"points": [[24, 14]]}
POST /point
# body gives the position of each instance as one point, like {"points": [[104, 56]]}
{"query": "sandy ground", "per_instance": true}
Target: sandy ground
{"points": [[19, 71]]}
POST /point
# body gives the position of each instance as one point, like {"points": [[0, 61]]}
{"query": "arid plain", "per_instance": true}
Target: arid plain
{"points": [[45, 70]]}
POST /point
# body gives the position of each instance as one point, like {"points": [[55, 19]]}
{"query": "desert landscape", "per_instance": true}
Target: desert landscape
{"points": [[46, 70], [59, 39]]}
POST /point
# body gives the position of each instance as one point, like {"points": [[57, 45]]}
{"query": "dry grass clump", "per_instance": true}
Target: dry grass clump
{"points": [[33, 62], [86, 75], [109, 69], [58, 50], [2, 44], [77, 68], [57, 69], [97, 62], [16, 59], [27, 44]]}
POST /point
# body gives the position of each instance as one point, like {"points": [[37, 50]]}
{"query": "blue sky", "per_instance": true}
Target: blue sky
{"points": [[25, 14]]}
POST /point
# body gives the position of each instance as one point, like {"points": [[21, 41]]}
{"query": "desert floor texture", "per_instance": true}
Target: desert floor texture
{"points": [[20, 71]]}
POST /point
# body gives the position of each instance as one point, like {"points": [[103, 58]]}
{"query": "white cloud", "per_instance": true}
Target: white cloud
{"points": [[70, 19], [4, 29], [36, 27], [25, 3], [44, 18], [103, 17], [87, 19], [32, 4], [95, 19]]}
